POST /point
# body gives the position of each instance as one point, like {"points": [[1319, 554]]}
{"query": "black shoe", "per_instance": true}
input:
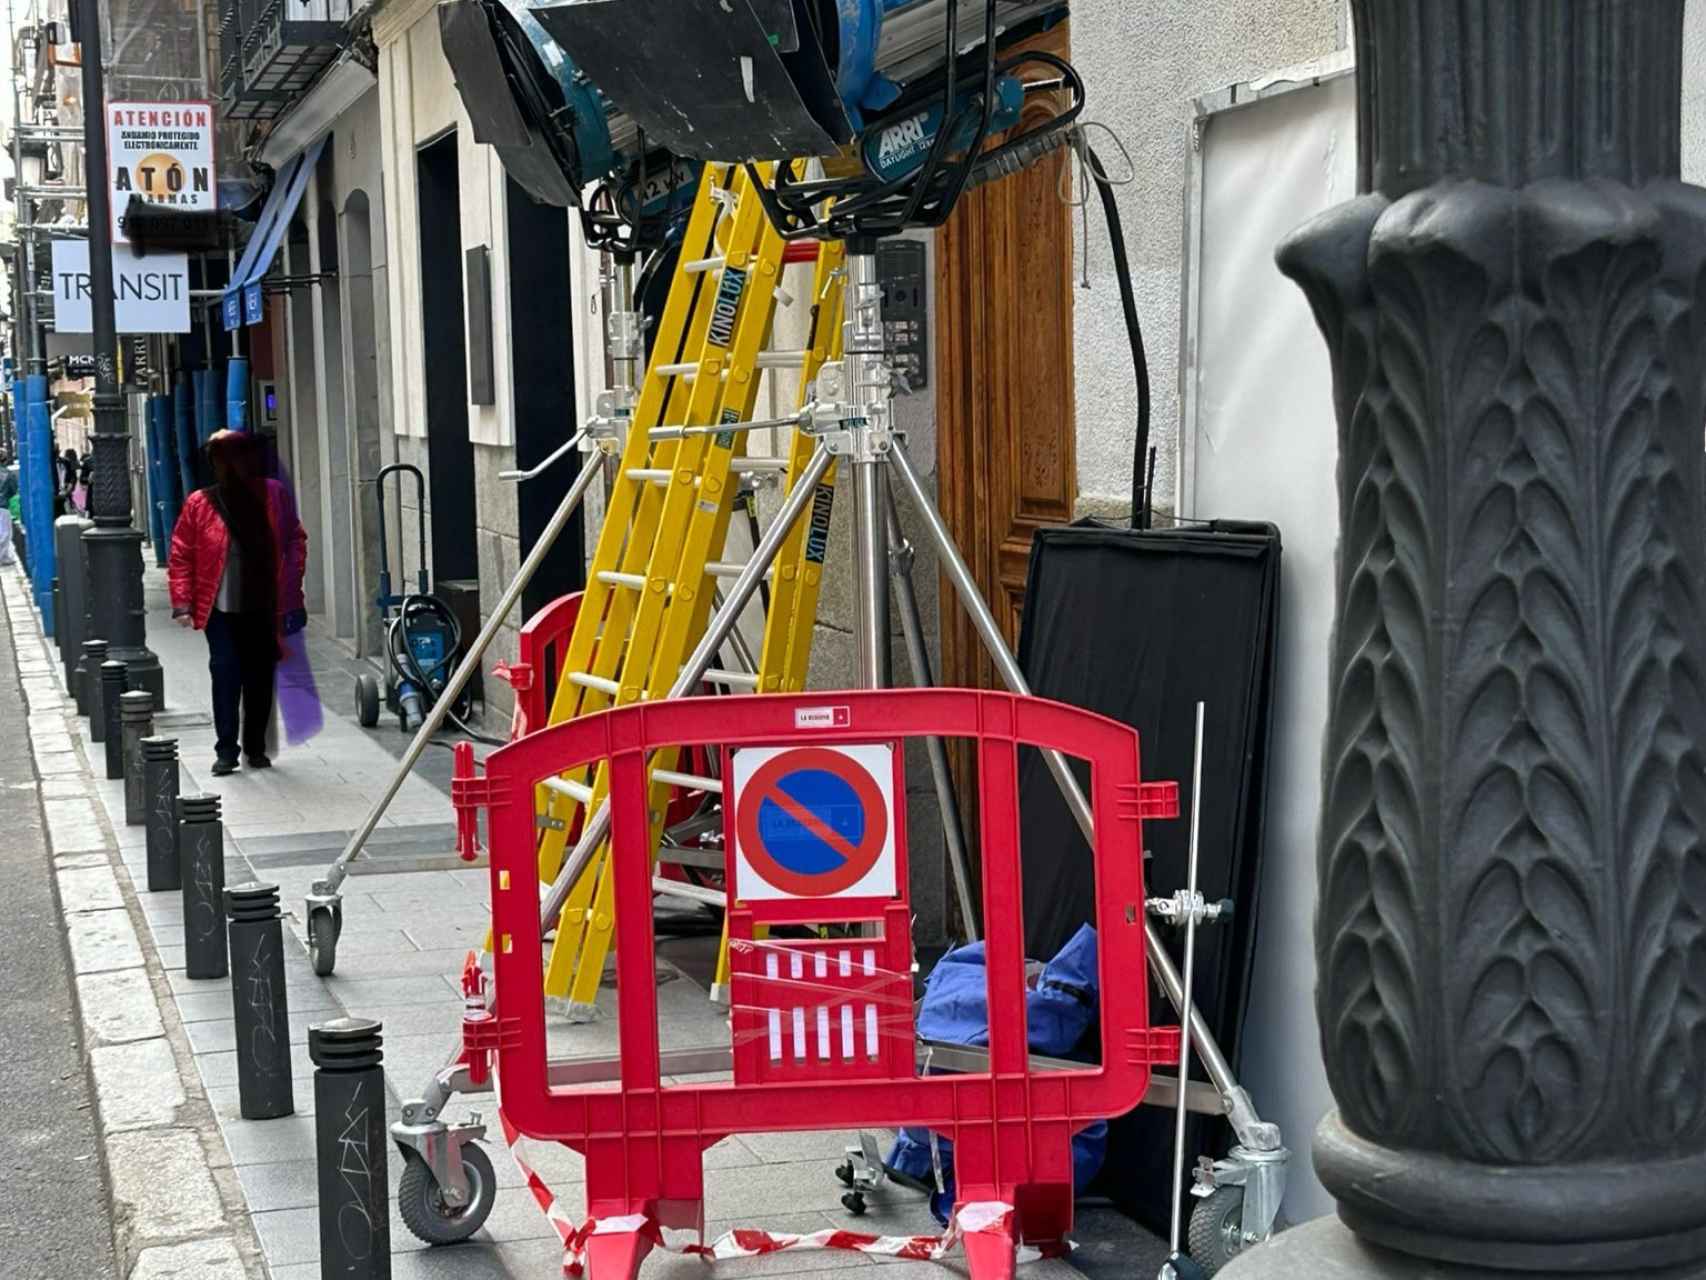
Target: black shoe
{"points": [[259, 762], [223, 767]]}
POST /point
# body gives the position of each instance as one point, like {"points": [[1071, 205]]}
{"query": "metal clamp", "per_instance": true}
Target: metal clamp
{"points": [[1188, 907]]}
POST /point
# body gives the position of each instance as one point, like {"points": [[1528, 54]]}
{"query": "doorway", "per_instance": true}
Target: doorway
{"points": [[541, 323], [450, 453]]}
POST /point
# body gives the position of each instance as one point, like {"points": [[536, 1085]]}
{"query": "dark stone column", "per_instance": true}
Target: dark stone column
{"points": [[1511, 938]]}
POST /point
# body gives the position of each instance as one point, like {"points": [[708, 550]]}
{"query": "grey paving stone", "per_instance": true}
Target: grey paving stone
{"points": [[291, 1236], [73, 826], [217, 1069], [103, 940], [89, 889], [212, 1006], [118, 1007], [227, 1105], [63, 788], [171, 956], [476, 1262], [379, 966], [364, 992], [59, 764], [161, 1182], [73, 861], [828, 1149], [220, 1035], [269, 1141], [294, 1184], [742, 1192], [137, 1085], [215, 1259]]}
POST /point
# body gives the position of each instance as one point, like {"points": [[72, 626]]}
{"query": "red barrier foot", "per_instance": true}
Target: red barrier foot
{"points": [[614, 1254], [992, 1250]]}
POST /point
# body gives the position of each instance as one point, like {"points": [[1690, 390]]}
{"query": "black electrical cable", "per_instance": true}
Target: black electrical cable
{"points": [[409, 668], [1134, 333]]}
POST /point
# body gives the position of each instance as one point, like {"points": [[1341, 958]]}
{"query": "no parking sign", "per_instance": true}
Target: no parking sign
{"points": [[814, 822]]}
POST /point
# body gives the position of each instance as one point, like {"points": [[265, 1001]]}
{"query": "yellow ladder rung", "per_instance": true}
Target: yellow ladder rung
{"points": [[729, 569], [743, 679], [635, 581], [687, 781], [699, 266], [576, 791], [586, 680], [759, 466]]}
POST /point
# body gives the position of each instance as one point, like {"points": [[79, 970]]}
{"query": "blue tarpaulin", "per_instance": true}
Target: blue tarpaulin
{"points": [[1060, 1010]]}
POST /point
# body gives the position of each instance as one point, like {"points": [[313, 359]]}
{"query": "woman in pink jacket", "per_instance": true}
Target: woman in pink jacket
{"points": [[238, 556]]}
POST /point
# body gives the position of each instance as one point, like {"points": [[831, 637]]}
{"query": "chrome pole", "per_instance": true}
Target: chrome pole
{"points": [[464, 672], [918, 658]]}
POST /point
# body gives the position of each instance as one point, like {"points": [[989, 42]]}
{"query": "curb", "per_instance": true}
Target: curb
{"points": [[178, 1210]]}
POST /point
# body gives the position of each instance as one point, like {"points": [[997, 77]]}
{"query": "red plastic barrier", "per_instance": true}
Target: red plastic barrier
{"points": [[1011, 1128], [540, 650]]}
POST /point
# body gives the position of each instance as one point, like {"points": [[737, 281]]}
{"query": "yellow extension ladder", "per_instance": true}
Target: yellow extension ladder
{"points": [[652, 579]]}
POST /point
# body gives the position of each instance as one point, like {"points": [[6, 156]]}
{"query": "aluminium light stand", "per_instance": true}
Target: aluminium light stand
{"points": [[850, 419]]}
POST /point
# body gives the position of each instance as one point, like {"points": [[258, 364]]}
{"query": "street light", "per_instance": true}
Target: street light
{"points": [[112, 547]]}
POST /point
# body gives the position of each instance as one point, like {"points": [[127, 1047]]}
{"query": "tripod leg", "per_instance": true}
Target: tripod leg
{"points": [[871, 597], [1250, 1130], [918, 658]]}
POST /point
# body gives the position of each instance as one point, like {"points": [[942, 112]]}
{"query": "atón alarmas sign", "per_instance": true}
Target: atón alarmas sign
{"points": [[161, 152]]}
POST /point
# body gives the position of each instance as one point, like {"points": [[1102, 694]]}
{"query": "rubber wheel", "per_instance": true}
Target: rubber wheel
{"points": [[422, 1206], [367, 700], [1217, 1229], [323, 927]]}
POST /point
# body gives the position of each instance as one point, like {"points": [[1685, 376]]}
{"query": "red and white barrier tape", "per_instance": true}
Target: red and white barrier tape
{"points": [[751, 1242]]}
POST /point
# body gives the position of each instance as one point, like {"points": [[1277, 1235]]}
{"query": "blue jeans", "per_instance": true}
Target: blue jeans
{"points": [[241, 654]]}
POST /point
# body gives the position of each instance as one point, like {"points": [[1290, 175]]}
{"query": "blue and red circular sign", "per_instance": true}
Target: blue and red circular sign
{"points": [[811, 822]]}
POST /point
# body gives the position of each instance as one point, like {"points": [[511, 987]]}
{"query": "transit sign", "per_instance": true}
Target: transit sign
{"points": [[814, 822]]}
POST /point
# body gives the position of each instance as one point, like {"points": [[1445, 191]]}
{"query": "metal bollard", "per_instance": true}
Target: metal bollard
{"points": [[201, 850], [136, 722], [89, 688], [350, 1142], [160, 785], [258, 1002], [112, 735]]}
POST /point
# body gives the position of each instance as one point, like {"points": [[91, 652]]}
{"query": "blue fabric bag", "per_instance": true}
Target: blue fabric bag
{"points": [[1059, 1010]]}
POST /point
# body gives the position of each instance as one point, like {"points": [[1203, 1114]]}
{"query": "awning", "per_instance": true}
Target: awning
{"points": [[242, 302]]}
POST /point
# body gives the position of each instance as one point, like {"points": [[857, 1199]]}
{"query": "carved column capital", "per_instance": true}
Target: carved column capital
{"points": [[1511, 938]]}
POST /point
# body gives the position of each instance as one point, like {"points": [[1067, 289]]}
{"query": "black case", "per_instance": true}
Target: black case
{"points": [[1140, 625]]}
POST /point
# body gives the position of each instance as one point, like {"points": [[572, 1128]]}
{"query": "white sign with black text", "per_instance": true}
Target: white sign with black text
{"points": [[150, 295], [162, 152]]}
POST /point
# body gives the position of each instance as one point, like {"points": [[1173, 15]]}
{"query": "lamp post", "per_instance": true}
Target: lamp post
{"points": [[112, 546], [1511, 933]]}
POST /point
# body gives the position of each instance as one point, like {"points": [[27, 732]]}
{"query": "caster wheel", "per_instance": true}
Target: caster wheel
{"points": [[421, 1203], [854, 1203], [844, 1171], [1217, 1229], [367, 700], [324, 925]]}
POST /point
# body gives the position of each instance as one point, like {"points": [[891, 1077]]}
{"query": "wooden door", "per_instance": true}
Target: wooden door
{"points": [[1006, 462]]}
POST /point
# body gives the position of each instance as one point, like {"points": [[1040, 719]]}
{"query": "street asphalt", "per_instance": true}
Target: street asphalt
{"points": [[54, 1212]]}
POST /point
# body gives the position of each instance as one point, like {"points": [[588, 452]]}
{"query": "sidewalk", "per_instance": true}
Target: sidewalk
{"points": [[411, 913]]}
